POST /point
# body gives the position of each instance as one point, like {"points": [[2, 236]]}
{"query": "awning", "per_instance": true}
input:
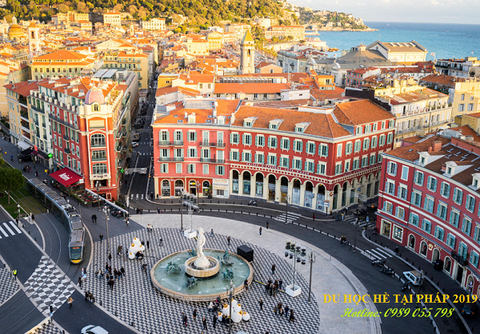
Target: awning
{"points": [[66, 177], [23, 145]]}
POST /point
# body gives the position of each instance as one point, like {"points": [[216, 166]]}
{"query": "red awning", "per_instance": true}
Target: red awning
{"points": [[66, 177]]}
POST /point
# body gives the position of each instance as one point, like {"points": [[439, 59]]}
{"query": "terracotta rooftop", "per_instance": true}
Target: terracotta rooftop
{"points": [[360, 112], [250, 88]]}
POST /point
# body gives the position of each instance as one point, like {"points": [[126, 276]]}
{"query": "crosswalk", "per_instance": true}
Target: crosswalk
{"points": [[8, 229], [292, 216], [144, 153], [136, 196], [378, 253], [361, 224]]}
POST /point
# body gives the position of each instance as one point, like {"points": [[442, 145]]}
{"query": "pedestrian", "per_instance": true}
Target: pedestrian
{"points": [[268, 224], [313, 217], [245, 285], [260, 302], [275, 309], [33, 217], [122, 270], [127, 220], [396, 250], [215, 318], [184, 319], [80, 282], [273, 269], [194, 314], [148, 244], [158, 210], [286, 311], [228, 239], [204, 321], [106, 266], [70, 302], [280, 282], [111, 282], [93, 218], [260, 230], [110, 257], [101, 237], [161, 241], [14, 272], [211, 232], [86, 295], [292, 317]]}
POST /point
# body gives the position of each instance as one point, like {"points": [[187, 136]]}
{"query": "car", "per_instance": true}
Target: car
{"points": [[468, 309], [413, 276], [134, 143], [92, 329]]}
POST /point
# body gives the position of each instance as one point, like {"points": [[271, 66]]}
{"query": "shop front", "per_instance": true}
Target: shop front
{"points": [[220, 188]]}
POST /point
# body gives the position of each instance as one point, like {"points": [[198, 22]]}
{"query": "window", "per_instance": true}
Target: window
{"points": [[247, 139], [426, 226], [297, 146], [100, 169], [297, 164], [164, 168], [347, 166], [259, 158], [234, 138], [284, 162], [178, 136], [99, 155], [322, 168], [463, 250], [388, 207], [192, 152], [397, 233], [476, 236], [442, 210], [400, 213], [402, 192], [392, 168], [445, 190], [390, 187], [457, 196], [97, 140], [467, 225], [205, 169], [338, 168], [364, 162], [389, 138], [285, 144], [220, 170], [391, 124], [454, 217], [451, 241], [359, 130], [404, 173], [470, 203], [191, 168], [272, 142], [234, 155], [382, 140], [374, 142], [348, 148], [366, 144], [357, 146], [416, 198], [339, 150], [247, 157], [419, 178], [164, 135], [474, 258], [309, 166], [379, 158], [356, 164], [432, 184], [272, 160], [429, 204], [178, 168], [310, 148], [260, 140], [323, 150], [414, 219], [439, 233], [372, 160]]}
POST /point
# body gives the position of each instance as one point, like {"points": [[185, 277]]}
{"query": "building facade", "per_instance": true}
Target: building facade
{"points": [[322, 159], [429, 203], [153, 24]]}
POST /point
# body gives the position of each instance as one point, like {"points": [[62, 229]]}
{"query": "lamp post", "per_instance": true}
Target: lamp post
{"points": [[355, 239], [286, 208], [297, 254], [230, 296], [311, 258], [18, 208], [181, 210], [97, 185], [107, 218], [198, 194]]}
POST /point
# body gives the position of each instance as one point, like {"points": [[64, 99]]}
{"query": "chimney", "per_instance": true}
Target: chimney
{"points": [[437, 146]]}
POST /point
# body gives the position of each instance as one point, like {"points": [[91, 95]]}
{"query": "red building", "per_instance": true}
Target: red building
{"points": [[429, 203], [324, 159]]}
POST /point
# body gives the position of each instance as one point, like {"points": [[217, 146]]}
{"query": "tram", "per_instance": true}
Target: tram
{"points": [[65, 213]]}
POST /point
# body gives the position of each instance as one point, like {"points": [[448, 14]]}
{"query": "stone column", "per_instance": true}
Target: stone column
{"points": [[302, 194], [240, 184], [277, 191], [265, 188], [155, 185]]}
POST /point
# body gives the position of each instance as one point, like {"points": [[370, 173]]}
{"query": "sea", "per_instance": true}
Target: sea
{"points": [[440, 39]]}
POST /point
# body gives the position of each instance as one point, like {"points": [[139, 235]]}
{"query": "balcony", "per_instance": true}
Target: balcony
{"points": [[99, 158], [99, 144], [171, 159], [170, 143], [65, 136], [67, 151], [59, 120], [462, 260], [212, 161], [213, 143], [99, 176]]}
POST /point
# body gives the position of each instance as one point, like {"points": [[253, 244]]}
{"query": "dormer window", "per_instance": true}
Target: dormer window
{"points": [[476, 181], [359, 130], [248, 122], [301, 127], [298, 129], [449, 170], [275, 124], [422, 160]]}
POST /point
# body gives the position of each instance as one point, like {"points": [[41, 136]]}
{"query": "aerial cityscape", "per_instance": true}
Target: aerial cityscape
{"points": [[247, 167]]}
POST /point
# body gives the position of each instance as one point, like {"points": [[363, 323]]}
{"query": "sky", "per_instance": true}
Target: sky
{"points": [[428, 11]]}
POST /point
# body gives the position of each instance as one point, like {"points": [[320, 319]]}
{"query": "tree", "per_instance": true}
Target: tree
{"points": [[62, 8], [11, 179]]}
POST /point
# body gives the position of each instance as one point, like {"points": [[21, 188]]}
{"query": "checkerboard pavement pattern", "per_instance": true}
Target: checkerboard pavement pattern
{"points": [[8, 286], [48, 286], [135, 300], [50, 329]]}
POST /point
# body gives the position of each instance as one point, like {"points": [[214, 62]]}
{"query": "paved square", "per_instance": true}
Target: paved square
{"points": [[135, 300], [8, 286]]}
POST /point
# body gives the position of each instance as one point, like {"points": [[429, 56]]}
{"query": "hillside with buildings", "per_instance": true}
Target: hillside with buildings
{"points": [[330, 21]]}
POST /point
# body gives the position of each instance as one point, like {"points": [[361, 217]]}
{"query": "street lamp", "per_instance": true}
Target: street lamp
{"points": [[230, 290], [297, 254], [181, 210], [97, 185], [286, 208], [106, 210], [355, 239], [311, 258], [18, 208]]}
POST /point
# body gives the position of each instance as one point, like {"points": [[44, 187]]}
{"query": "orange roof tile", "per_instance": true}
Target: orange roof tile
{"points": [[250, 88], [360, 112]]}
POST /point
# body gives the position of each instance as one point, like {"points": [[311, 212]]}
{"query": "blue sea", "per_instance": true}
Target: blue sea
{"points": [[445, 40]]}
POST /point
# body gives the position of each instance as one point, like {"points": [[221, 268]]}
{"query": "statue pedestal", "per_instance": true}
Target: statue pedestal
{"points": [[293, 291], [190, 234]]}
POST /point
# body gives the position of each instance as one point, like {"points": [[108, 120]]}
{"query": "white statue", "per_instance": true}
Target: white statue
{"points": [[201, 261]]}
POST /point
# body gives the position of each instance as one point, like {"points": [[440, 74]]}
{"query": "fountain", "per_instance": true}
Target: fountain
{"points": [[197, 278]]}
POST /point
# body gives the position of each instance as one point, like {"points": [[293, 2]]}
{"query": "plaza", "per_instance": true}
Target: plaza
{"points": [[136, 301]]}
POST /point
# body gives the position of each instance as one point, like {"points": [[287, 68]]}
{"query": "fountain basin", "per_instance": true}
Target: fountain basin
{"points": [[202, 272], [207, 288]]}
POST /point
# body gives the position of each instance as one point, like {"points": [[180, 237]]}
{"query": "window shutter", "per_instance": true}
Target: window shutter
{"points": [[256, 140]]}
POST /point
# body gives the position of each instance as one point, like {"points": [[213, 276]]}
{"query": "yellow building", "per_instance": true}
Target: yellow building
{"points": [[472, 120], [153, 24], [134, 60], [165, 80], [215, 41], [393, 86], [197, 46], [10, 72], [112, 18], [61, 63], [466, 99], [297, 33]]}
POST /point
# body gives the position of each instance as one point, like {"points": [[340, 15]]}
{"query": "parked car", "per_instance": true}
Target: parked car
{"points": [[92, 329], [134, 143], [413, 276], [468, 309]]}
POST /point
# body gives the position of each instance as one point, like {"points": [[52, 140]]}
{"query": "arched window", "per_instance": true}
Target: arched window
{"points": [[448, 264], [96, 107], [411, 241], [98, 140], [100, 169], [423, 248]]}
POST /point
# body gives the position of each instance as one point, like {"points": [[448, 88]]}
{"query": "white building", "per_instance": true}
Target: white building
{"points": [[154, 24]]}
